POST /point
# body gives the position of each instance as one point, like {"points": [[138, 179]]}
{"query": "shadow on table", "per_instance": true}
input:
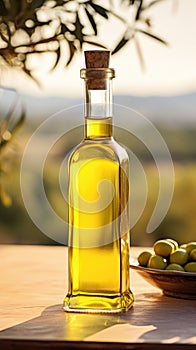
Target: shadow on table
{"points": [[159, 318], [173, 319], [54, 323]]}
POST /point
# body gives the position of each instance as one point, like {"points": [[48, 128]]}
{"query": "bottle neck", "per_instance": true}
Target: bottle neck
{"points": [[97, 104], [98, 128]]}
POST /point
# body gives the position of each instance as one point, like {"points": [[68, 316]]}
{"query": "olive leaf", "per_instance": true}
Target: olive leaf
{"points": [[139, 10], [153, 36], [96, 44], [152, 3], [72, 50], [99, 9], [92, 21], [58, 56], [78, 32], [123, 41]]}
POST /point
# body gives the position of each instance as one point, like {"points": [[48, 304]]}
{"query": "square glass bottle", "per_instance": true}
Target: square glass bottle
{"points": [[99, 240]]}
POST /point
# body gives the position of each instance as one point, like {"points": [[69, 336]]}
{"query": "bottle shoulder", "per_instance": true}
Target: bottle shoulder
{"points": [[107, 148]]}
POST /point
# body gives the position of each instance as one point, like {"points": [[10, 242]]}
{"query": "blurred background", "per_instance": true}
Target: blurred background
{"points": [[154, 55]]}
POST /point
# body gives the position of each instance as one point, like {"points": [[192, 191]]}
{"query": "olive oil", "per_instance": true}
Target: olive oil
{"points": [[98, 247]]}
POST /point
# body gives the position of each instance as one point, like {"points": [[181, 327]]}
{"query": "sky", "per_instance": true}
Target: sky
{"points": [[169, 70]]}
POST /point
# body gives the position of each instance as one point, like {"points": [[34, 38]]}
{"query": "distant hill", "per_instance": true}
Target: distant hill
{"points": [[173, 111]]}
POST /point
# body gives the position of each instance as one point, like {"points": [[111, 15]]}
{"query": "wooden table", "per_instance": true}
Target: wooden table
{"points": [[33, 284]]}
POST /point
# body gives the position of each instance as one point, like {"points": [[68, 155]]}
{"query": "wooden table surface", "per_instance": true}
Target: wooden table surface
{"points": [[33, 284]]}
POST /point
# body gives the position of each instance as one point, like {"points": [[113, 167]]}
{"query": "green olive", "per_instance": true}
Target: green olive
{"points": [[190, 246], [179, 256], [174, 267], [183, 246], [190, 267], [175, 243], [143, 258], [193, 255], [157, 262], [163, 248]]}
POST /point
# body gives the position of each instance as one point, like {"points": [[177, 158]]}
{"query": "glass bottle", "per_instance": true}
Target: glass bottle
{"points": [[99, 242]]}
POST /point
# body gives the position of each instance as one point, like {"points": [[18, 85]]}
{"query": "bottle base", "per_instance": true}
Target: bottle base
{"points": [[95, 303]]}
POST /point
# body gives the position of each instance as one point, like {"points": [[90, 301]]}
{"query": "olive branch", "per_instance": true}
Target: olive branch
{"points": [[29, 27]]}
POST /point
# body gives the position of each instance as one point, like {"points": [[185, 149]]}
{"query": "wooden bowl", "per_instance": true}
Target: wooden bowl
{"points": [[176, 284]]}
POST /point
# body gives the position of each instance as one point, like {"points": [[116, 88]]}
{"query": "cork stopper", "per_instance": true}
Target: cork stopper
{"points": [[97, 59], [97, 69]]}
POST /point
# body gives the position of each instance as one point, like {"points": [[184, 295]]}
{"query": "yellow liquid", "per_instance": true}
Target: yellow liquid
{"points": [[99, 227]]}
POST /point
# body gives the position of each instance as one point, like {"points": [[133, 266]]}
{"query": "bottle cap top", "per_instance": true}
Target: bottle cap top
{"points": [[97, 59]]}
